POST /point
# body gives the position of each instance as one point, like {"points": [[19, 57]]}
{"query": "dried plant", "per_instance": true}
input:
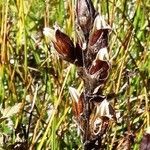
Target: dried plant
{"points": [[91, 109]]}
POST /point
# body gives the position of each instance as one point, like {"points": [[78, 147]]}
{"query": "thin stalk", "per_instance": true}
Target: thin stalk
{"points": [[47, 5], [113, 139], [25, 39], [53, 112], [128, 113], [125, 45], [31, 110], [4, 31], [147, 107]]}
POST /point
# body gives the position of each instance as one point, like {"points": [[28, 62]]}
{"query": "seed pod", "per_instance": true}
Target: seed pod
{"points": [[62, 43], [85, 15], [77, 103], [64, 46], [100, 70], [98, 40], [95, 76]]}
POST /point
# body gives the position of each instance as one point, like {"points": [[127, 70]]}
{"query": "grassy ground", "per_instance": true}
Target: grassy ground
{"points": [[35, 106]]}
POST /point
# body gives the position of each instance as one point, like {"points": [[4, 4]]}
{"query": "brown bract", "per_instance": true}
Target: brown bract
{"points": [[85, 15], [99, 65], [77, 107], [64, 46], [99, 38], [100, 70]]}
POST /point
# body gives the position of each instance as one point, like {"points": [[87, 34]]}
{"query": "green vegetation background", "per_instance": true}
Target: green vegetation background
{"points": [[35, 105]]}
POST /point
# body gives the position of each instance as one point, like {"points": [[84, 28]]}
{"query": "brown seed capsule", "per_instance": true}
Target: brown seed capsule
{"points": [[64, 46], [95, 76], [62, 43], [100, 69], [103, 113], [85, 15], [77, 103], [98, 39]]}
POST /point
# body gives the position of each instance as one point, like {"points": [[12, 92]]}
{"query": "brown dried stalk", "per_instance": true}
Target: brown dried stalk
{"points": [[91, 109]]}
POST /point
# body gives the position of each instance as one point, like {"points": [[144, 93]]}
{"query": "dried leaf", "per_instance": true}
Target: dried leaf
{"points": [[10, 111]]}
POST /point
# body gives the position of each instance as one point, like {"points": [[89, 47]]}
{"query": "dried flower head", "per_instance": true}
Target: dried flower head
{"points": [[64, 46], [91, 110]]}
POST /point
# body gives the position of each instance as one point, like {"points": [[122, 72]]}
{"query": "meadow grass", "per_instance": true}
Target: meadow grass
{"points": [[35, 104]]}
